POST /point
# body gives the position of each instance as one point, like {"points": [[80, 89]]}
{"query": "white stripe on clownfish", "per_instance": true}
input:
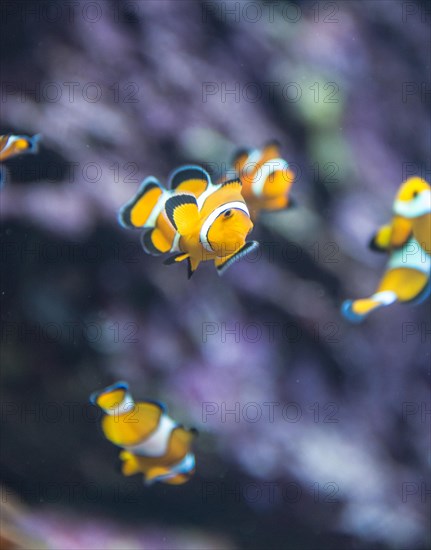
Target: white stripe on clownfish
{"points": [[238, 205], [252, 160], [160, 204], [208, 191], [265, 171], [157, 443], [417, 207]]}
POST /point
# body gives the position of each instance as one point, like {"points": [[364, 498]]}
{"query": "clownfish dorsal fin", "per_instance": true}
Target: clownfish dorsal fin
{"points": [[154, 242], [272, 145], [240, 155], [193, 179], [223, 263], [182, 211], [233, 184], [137, 213]]}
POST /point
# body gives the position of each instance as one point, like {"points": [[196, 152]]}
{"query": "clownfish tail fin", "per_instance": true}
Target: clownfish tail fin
{"points": [[141, 210], [356, 311], [34, 143], [183, 213]]}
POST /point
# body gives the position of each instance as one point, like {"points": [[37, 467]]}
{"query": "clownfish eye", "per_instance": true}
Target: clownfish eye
{"points": [[415, 194], [228, 214]]}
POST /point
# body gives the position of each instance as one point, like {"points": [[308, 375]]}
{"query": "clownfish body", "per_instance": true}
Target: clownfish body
{"points": [[193, 219], [11, 146], [266, 178], [407, 240], [153, 443]]}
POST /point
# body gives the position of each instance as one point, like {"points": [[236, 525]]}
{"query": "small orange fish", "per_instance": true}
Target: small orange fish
{"points": [[266, 178], [11, 146], [153, 444], [407, 240], [193, 219]]}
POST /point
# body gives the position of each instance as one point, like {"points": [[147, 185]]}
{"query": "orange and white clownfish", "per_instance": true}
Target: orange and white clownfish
{"points": [[407, 240], [153, 443], [11, 146], [266, 178], [194, 219]]}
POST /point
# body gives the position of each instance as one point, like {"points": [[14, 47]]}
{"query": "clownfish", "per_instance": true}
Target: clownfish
{"points": [[266, 178], [193, 219], [11, 146], [153, 443], [407, 240]]}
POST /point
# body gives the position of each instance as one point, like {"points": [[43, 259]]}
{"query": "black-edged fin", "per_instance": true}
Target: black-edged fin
{"points": [[272, 143], [154, 242], [183, 213], [236, 182], [246, 249], [193, 179], [190, 270], [121, 385], [135, 213], [158, 403], [33, 143], [372, 245], [240, 154], [176, 258]]}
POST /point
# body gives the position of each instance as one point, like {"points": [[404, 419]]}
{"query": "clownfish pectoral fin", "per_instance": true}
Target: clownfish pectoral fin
{"points": [[154, 242], [192, 179], [223, 263], [129, 464], [137, 212], [183, 213]]}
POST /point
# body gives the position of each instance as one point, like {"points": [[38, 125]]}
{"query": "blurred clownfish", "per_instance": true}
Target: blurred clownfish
{"points": [[153, 444], [193, 219], [407, 240], [11, 146], [266, 178]]}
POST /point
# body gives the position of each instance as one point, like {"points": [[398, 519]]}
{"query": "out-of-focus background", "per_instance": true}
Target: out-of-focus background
{"points": [[313, 433]]}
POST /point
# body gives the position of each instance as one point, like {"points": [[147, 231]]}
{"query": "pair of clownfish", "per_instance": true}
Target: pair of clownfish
{"points": [[196, 220], [152, 443], [407, 241], [12, 146]]}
